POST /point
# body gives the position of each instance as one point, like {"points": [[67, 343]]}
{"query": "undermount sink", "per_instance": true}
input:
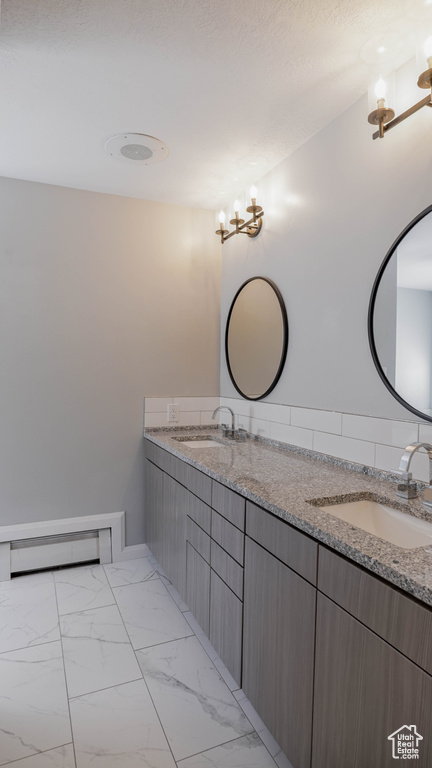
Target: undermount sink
{"points": [[204, 441], [390, 524]]}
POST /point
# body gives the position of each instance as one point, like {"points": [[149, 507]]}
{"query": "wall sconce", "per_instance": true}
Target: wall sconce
{"points": [[251, 228], [383, 115]]}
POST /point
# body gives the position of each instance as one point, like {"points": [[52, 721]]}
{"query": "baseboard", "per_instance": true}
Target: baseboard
{"points": [[114, 521]]}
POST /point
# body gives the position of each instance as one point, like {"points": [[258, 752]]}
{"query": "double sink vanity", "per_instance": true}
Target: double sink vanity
{"points": [[325, 625]]}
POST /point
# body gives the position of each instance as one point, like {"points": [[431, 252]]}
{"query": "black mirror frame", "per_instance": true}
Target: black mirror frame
{"points": [[372, 302], [285, 337]]}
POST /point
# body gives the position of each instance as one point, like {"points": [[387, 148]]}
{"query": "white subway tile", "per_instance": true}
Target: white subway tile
{"points": [[322, 421], [206, 418], [259, 427], [360, 451], [388, 458], [188, 419], [197, 403], [425, 433], [157, 404], [155, 420], [385, 431], [277, 413], [291, 435]]}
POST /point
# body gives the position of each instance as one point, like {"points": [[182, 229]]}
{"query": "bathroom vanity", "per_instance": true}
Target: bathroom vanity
{"points": [[327, 628]]}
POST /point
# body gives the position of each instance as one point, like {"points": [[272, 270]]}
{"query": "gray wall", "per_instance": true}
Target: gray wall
{"points": [[332, 211], [103, 300]]}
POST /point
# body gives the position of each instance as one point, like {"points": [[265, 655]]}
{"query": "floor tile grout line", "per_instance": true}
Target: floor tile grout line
{"points": [[106, 688], [64, 673], [35, 754], [223, 744]]}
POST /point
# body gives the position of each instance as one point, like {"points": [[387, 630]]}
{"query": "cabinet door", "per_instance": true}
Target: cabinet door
{"points": [[198, 587], [176, 499], [154, 504], [226, 613], [365, 691], [278, 651]]}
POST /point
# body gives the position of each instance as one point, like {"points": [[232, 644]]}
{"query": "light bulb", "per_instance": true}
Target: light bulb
{"points": [[222, 219], [236, 207], [380, 92], [253, 192]]}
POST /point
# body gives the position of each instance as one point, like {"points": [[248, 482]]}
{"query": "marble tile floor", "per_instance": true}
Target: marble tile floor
{"points": [[104, 666]]}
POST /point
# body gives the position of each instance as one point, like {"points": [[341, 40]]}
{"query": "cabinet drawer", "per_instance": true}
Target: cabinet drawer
{"points": [[229, 504], [199, 539], [226, 620], [194, 480], [228, 537], [227, 568], [397, 618], [199, 512], [295, 549], [156, 454]]}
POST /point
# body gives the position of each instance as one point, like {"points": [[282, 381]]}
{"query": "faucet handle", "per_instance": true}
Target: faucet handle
{"points": [[407, 487]]}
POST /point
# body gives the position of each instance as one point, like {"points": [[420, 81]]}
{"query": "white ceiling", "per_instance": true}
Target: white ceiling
{"points": [[224, 83]]}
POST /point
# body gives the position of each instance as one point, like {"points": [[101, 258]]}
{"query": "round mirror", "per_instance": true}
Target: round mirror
{"points": [[256, 338], [400, 317]]}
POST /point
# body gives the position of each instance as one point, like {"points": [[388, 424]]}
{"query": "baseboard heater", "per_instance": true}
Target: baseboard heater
{"points": [[63, 549]]}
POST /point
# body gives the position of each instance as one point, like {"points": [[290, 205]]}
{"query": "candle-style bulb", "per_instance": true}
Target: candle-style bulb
{"points": [[222, 219], [236, 207], [253, 192], [380, 93]]}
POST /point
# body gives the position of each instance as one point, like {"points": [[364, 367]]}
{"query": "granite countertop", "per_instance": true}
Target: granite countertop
{"points": [[286, 479]]}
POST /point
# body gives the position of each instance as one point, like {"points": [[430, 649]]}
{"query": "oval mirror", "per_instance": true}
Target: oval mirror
{"points": [[400, 317], [256, 338]]}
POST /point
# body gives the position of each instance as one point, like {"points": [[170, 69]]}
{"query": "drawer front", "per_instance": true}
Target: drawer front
{"points": [[199, 512], [155, 454], [227, 568], [283, 541], [395, 617], [199, 539], [228, 537], [229, 504], [194, 480]]}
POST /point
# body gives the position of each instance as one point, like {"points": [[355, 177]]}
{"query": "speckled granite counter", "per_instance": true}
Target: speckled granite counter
{"points": [[286, 481]]}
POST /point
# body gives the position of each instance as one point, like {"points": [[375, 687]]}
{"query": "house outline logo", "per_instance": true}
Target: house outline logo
{"points": [[405, 743]]}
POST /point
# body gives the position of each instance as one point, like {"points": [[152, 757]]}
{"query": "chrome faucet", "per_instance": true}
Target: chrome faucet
{"points": [[407, 488], [227, 432]]}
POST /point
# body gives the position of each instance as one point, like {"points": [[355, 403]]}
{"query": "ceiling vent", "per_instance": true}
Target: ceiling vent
{"points": [[136, 148]]}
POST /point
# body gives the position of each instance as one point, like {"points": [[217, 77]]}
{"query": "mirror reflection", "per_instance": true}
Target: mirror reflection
{"points": [[400, 317], [256, 338]]}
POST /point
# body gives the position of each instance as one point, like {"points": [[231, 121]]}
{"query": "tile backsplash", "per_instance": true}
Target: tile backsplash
{"points": [[367, 440], [192, 411]]}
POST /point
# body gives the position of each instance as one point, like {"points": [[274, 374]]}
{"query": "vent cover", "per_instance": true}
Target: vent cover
{"points": [[136, 148]]}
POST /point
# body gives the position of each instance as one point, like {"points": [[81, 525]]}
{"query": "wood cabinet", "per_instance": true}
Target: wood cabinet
{"points": [[333, 658], [278, 650], [365, 691]]}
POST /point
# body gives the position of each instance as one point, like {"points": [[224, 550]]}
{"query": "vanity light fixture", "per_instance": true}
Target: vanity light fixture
{"points": [[384, 116], [250, 228]]}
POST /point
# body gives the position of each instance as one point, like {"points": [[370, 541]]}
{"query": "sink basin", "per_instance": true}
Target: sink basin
{"points": [[387, 523], [206, 441]]}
